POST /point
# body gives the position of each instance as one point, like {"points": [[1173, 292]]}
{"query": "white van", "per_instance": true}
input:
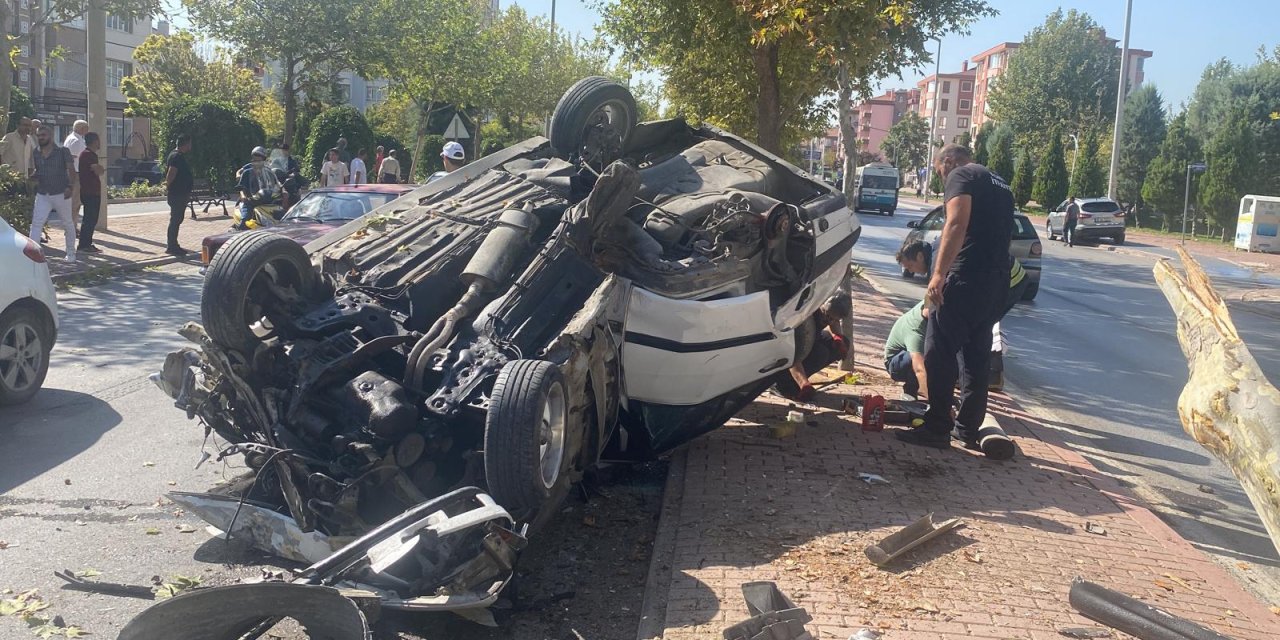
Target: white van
{"points": [[876, 188]]}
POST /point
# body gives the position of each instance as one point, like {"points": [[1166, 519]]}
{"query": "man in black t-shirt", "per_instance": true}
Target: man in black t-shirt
{"points": [[178, 181], [967, 290]]}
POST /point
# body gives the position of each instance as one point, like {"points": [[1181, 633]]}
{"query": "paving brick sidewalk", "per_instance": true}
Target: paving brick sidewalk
{"points": [[132, 242], [751, 507]]}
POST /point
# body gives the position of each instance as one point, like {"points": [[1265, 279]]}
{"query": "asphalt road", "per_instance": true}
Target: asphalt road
{"points": [[1096, 355]]}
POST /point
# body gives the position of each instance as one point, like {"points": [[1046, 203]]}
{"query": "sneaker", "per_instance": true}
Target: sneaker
{"points": [[177, 251], [89, 249], [923, 438]]}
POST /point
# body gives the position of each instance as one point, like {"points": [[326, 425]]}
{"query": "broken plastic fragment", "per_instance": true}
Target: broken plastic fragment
{"points": [[872, 479]]}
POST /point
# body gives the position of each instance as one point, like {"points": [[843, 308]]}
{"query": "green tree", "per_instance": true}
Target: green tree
{"points": [[221, 137], [907, 141], [52, 13], [1050, 185], [1000, 152], [935, 182], [980, 143], [1225, 89], [268, 112], [1164, 186], [168, 67], [758, 66], [1063, 75], [19, 107], [1144, 130], [1088, 179], [305, 38], [965, 139], [1023, 180], [336, 122], [1232, 168]]}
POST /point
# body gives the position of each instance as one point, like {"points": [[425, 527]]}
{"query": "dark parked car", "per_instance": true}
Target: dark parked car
{"points": [[468, 352], [146, 171], [320, 211]]}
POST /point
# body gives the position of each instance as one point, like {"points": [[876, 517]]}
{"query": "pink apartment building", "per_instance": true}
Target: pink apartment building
{"points": [[954, 94]]}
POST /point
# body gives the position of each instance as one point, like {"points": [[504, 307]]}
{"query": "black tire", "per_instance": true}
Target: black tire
{"points": [[25, 343], [593, 121], [254, 275], [1048, 229], [1118, 240], [522, 413], [1030, 293]]}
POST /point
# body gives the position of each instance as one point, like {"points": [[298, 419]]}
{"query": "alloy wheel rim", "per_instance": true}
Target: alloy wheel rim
{"points": [[21, 357], [551, 436]]}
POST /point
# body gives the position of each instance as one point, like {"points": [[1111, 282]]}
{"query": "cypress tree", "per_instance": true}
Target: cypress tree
{"points": [[1022, 180], [1050, 185]]}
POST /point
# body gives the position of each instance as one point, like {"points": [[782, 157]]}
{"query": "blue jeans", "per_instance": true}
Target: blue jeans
{"points": [[900, 370]]}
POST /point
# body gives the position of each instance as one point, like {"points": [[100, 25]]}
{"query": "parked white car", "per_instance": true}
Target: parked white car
{"points": [[1099, 218], [28, 316]]}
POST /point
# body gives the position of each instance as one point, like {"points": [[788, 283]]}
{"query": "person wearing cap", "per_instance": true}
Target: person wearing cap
{"points": [[454, 157], [389, 169], [334, 171], [74, 143], [258, 184]]}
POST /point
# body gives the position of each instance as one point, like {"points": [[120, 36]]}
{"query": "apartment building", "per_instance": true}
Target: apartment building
{"points": [[953, 95], [874, 117], [990, 64], [57, 83]]}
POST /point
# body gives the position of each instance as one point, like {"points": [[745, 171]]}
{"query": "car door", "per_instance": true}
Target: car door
{"points": [[1058, 217]]}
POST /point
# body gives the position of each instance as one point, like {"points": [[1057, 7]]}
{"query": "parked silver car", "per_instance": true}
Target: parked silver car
{"points": [[1025, 246], [1099, 218]]}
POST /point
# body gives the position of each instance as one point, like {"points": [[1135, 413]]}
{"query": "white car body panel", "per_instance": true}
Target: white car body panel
{"points": [[22, 277]]}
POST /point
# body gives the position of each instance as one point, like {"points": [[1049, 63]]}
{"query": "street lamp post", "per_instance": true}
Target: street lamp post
{"points": [[1118, 131], [933, 120], [1197, 167], [1075, 141]]}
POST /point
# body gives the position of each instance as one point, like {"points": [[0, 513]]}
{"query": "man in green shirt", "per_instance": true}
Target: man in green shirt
{"points": [[904, 352]]}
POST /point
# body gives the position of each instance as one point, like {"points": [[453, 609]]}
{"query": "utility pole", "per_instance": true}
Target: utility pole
{"points": [[1118, 132], [1075, 141], [96, 85], [553, 18], [1197, 167], [933, 120]]}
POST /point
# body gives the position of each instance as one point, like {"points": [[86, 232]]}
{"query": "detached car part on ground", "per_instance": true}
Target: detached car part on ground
{"points": [[608, 294]]}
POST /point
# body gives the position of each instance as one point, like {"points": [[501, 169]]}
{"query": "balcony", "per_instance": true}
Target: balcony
{"points": [[65, 75]]}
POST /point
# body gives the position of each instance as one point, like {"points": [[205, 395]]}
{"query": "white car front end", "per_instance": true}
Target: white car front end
{"points": [[28, 316]]}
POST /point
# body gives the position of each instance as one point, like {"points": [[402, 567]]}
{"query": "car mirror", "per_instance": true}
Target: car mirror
{"points": [[913, 224]]}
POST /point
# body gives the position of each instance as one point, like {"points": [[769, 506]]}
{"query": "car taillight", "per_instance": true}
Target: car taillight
{"points": [[1119, 214], [32, 250], [1086, 216], [1036, 249]]}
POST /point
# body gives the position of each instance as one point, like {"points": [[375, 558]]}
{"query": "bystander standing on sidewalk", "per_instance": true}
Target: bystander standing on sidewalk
{"points": [[389, 169], [90, 171], [1073, 217], [343, 154], [968, 288], [334, 171], [54, 172], [178, 182], [359, 174], [16, 148], [74, 143], [379, 154]]}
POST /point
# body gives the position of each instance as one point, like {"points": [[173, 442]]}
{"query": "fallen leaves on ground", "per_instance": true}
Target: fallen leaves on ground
{"points": [[27, 604], [175, 585]]}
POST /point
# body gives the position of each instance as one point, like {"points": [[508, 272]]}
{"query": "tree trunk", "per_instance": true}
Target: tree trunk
{"points": [[848, 136], [769, 100], [425, 121], [290, 91], [1228, 406]]}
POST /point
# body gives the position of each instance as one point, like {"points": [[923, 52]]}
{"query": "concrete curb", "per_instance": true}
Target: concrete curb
{"points": [[653, 609], [111, 201], [112, 270]]}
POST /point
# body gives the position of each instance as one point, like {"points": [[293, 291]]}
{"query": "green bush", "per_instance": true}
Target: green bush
{"points": [[135, 190], [331, 124], [222, 138], [495, 137], [16, 201], [19, 107], [430, 162]]}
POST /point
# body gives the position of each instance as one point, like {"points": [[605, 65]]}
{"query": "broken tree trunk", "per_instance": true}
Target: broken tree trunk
{"points": [[1228, 405]]}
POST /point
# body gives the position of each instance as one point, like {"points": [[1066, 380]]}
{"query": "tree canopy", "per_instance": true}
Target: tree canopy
{"points": [[1164, 185], [906, 141], [169, 68], [1000, 152], [1050, 185], [1144, 130], [1087, 179], [1064, 75], [1232, 168], [1023, 179]]}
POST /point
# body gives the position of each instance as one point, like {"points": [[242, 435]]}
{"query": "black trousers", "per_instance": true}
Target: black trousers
{"points": [[972, 302], [177, 210], [89, 219], [1069, 232]]}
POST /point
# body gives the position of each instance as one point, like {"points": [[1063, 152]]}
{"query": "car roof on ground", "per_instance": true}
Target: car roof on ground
{"points": [[370, 188]]}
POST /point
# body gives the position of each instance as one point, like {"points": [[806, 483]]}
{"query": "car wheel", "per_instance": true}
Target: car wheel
{"points": [[1032, 290], [1048, 230], [24, 354], [253, 278], [1119, 240], [526, 435], [593, 121]]}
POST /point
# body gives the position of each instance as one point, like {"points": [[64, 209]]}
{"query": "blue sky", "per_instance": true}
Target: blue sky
{"points": [[1185, 35]]}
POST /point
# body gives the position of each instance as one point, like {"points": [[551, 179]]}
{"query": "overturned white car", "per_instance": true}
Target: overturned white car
{"points": [[606, 294]]}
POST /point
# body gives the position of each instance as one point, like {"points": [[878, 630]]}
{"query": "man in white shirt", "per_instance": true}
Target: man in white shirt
{"points": [[16, 148], [75, 144], [389, 169], [333, 172], [359, 174]]}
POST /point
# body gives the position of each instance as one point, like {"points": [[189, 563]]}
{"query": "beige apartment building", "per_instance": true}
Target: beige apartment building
{"points": [[953, 93]]}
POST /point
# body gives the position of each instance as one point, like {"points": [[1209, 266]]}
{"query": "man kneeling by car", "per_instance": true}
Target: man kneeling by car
{"points": [[828, 346]]}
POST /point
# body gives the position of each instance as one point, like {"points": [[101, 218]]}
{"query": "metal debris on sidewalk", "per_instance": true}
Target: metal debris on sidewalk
{"points": [[910, 537], [1095, 528], [1085, 632], [78, 583], [1134, 617], [872, 479], [773, 616]]}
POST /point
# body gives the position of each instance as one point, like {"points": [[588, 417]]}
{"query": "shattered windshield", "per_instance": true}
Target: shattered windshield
{"points": [[330, 207]]}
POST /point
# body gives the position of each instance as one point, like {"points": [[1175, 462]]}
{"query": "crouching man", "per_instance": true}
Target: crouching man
{"points": [[828, 347], [904, 352]]}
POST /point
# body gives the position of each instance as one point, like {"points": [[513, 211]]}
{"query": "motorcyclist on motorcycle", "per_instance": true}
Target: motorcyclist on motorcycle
{"points": [[257, 185]]}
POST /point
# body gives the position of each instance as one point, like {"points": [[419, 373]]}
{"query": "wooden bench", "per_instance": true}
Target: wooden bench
{"points": [[204, 193]]}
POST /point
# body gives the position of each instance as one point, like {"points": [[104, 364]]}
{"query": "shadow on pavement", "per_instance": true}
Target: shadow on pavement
{"points": [[49, 430]]}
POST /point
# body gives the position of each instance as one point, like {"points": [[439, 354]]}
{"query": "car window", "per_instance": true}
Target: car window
{"points": [[1063, 206], [1022, 229], [1100, 207], [339, 206], [935, 220], [879, 182]]}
